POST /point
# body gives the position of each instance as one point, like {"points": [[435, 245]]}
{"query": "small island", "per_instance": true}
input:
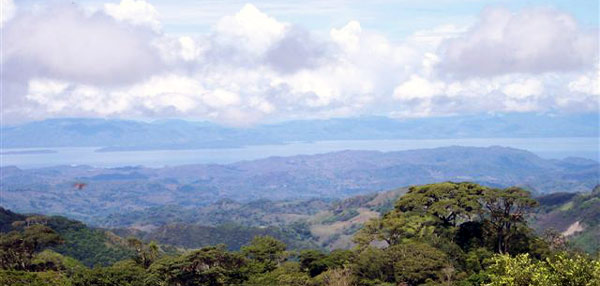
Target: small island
{"points": [[29, 152]]}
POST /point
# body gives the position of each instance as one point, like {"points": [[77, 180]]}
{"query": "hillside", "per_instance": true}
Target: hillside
{"points": [[91, 246], [419, 241], [577, 216], [326, 176], [299, 223]]}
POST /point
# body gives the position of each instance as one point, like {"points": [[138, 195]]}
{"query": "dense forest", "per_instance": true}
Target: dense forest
{"points": [[438, 234]]}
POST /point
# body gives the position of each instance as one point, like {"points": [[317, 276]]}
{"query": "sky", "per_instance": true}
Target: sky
{"points": [[242, 63]]}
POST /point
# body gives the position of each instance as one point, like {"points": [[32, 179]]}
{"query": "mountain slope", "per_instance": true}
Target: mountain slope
{"points": [[576, 216], [330, 175], [91, 246]]}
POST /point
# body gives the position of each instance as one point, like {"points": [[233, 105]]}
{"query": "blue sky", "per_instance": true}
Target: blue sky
{"points": [[240, 63], [394, 18]]}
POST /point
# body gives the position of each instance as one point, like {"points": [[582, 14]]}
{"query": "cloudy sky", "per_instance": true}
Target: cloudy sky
{"points": [[242, 63]]}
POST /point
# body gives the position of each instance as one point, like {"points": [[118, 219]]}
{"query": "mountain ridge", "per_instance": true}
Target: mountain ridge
{"points": [[330, 175]]}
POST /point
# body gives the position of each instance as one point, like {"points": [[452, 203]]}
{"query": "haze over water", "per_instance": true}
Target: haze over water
{"points": [[549, 148]]}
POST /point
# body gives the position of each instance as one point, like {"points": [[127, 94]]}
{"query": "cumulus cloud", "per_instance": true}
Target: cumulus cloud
{"points": [[117, 61], [587, 84], [138, 12], [63, 42], [298, 49], [530, 41], [249, 29], [418, 87], [7, 11], [523, 89]]}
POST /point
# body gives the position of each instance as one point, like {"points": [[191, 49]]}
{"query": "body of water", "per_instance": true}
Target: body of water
{"points": [[557, 148]]}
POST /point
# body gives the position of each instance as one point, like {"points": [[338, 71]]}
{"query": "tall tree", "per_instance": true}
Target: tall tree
{"points": [[17, 248], [451, 202], [266, 252], [145, 253], [394, 227], [506, 213]]}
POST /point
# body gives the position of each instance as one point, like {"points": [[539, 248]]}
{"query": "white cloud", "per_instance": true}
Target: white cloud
{"points": [[138, 12], [63, 61], [587, 83], [63, 42], [523, 89], [531, 41], [221, 98], [418, 87], [45, 91], [251, 29], [348, 36], [7, 11], [189, 49]]}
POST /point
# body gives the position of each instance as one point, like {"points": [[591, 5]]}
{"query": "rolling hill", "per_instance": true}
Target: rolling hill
{"points": [[327, 176]]}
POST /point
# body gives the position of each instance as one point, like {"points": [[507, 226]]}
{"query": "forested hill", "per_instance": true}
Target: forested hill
{"points": [[460, 234], [91, 246], [332, 224], [328, 176], [577, 216]]}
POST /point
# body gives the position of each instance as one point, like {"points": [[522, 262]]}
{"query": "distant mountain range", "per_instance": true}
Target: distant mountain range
{"points": [[85, 192], [116, 135]]}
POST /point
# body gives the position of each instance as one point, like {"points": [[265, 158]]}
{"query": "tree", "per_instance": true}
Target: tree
{"points": [[145, 254], [373, 267], [287, 274], [451, 202], [506, 213], [265, 252], [18, 248], [207, 266], [312, 261], [416, 263], [336, 277], [25, 278], [561, 269], [123, 273], [394, 227]]}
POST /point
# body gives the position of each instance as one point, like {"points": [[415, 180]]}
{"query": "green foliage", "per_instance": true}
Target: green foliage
{"points": [[144, 254], [316, 262], [17, 248], [207, 266], [560, 269], [88, 245], [417, 263], [506, 213], [395, 227], [7, 218], [287, 274], [313, 261], [414, 263], [372, 267], [580, 212], [232, 235], [265, 252], [23, 278], [451, 202], [50, 260], [342, 216], [124, 273], [444, 241]]}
